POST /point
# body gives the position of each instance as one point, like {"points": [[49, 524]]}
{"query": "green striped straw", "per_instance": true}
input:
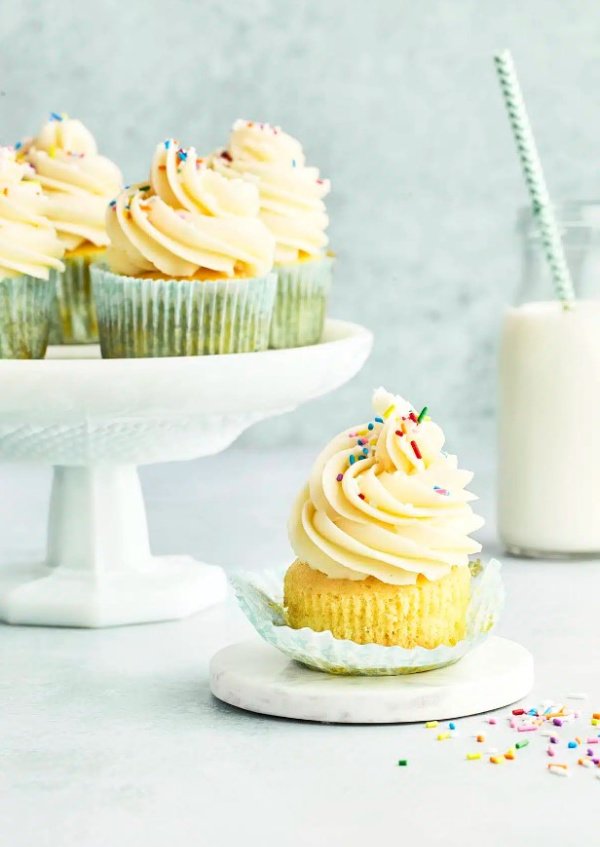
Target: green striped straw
{"points": [[534, 177]]}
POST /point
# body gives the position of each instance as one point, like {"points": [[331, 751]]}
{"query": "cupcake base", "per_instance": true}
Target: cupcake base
{"points": [[25, 304], [369, 611], [73, 317], [142, 317], [301, 302]]}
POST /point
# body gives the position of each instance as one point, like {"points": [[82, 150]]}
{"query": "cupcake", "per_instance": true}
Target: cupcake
{"points": [[292, 207], [77, 184], [188, 270], [30, 253], [381, 533]]}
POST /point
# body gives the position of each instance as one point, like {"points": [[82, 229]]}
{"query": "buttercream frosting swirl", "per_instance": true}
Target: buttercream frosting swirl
{"points": [[188, 221], [77, 182], [384, 500], [28, 241], [291, 193]]}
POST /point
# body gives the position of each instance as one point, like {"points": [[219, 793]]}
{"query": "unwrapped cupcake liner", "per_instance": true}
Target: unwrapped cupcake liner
{"points": [[73, 316], [25, 304], [301, 302], [139, 317], [260, 596]]}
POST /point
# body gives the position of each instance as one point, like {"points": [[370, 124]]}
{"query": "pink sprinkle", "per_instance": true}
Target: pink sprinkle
{"points": [[512, 724], [527, 729], [550, 751], [492, 721], [592, 740], [596, 761], [340, 477]]}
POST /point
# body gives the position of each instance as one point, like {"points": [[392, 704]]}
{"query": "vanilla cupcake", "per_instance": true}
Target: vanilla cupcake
{"points": [[381, 533], [30, 253], [292, 207], [189, 264], [78, 185]]}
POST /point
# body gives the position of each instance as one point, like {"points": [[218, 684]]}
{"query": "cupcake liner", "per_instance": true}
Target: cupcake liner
{"points": [[140, 317], [261, 599], [301, 302], [73, 317], [25, 304]]}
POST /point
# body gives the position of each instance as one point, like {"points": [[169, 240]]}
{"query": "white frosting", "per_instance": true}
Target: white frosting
{"points": [[28, 241], [393, 515], [188, 221], [291, 193]]}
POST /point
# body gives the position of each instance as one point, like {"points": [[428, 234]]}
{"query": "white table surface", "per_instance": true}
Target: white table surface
{"points": [[112, 737]]}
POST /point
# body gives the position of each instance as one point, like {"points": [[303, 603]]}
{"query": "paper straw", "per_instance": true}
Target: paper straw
{"points": [[534, 177]]}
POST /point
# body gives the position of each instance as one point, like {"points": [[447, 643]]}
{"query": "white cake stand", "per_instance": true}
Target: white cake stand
{"points": [[95, 420], [257, 677]]}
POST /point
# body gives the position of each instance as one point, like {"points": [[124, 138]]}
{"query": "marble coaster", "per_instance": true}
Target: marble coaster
{"points": [[256, 677]]}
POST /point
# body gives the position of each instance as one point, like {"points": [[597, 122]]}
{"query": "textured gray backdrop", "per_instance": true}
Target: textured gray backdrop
{"points": [[395, 100]]}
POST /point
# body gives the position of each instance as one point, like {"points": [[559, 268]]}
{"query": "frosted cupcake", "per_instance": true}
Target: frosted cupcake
{"points": [[78, 185], [188, 267], [30, 253], [381, 533], [292, 207]]}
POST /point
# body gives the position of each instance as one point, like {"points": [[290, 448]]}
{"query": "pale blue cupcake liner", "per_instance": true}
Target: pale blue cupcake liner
{"points": [[73, 316], [25, 304], [140, 317], [260, 596], [301, 302]]}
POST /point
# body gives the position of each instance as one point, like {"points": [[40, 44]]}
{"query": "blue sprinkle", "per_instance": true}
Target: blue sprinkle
{"points": [[572, 744], [378, 420], [451, 725], [54, 116], [293, 163], [167, 143], [365, 451], [371, 426], [18, 145], [113, 203], [532, 712], [361, 457], [352, 459], [182, 155]]}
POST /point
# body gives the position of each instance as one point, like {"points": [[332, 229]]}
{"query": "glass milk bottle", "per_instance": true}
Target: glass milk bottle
{"points": [[549, 400]]}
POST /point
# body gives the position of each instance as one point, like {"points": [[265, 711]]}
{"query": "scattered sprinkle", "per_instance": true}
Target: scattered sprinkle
{"points": [[472, 756], [510, 755], [167, 143], [422, 414], [340, 477], [431, 724], [550, 751], [388, 411], [402, 763], [371, 426], [492, 721], [558, 770], [444, 736], [518, 711], [55, 116], [451, 725], [480, 738], [352, 458], [416, 450], [572, 744], [520, 744], [497, 760]]}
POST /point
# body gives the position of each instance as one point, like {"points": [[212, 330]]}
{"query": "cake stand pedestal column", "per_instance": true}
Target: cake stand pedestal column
{"points": [[99, 570]]}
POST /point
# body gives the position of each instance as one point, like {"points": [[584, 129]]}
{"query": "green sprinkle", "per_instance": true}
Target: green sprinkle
{"points": [[422, 414], [520, 744], [402, 763], [144, 188]]}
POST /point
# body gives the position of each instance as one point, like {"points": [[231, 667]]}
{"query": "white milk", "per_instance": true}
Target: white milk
{"points": [[549, 429]]}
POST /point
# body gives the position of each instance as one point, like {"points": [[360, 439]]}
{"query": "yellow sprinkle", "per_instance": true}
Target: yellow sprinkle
{"points": [[444, 736], [431, 724], [497, 760], [472, 756], [362, 432], [64, 116], [52, 151], [389, 411], [595, 722]]}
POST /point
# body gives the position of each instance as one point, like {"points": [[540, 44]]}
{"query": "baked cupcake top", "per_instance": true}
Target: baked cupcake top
{"points": [[28, 241], [291, 193], [77, 182], [384, 500], [188, 221]]}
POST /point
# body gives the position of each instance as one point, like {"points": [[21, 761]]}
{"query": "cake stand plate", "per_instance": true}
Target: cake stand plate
{"points": [[256, 677], [95, 421]]}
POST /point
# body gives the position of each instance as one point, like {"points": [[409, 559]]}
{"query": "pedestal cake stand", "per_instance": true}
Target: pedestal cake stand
{"points": [[95, 420]]}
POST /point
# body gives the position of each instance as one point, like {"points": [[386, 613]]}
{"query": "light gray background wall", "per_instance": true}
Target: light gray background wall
{"points": [[395, 100]]}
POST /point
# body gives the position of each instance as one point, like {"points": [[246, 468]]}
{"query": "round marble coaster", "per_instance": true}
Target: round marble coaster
{"points": [[254, 676]]}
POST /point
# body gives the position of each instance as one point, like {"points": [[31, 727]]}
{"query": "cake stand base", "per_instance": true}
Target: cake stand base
{"points": [[257, 677], [162, 588]]}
